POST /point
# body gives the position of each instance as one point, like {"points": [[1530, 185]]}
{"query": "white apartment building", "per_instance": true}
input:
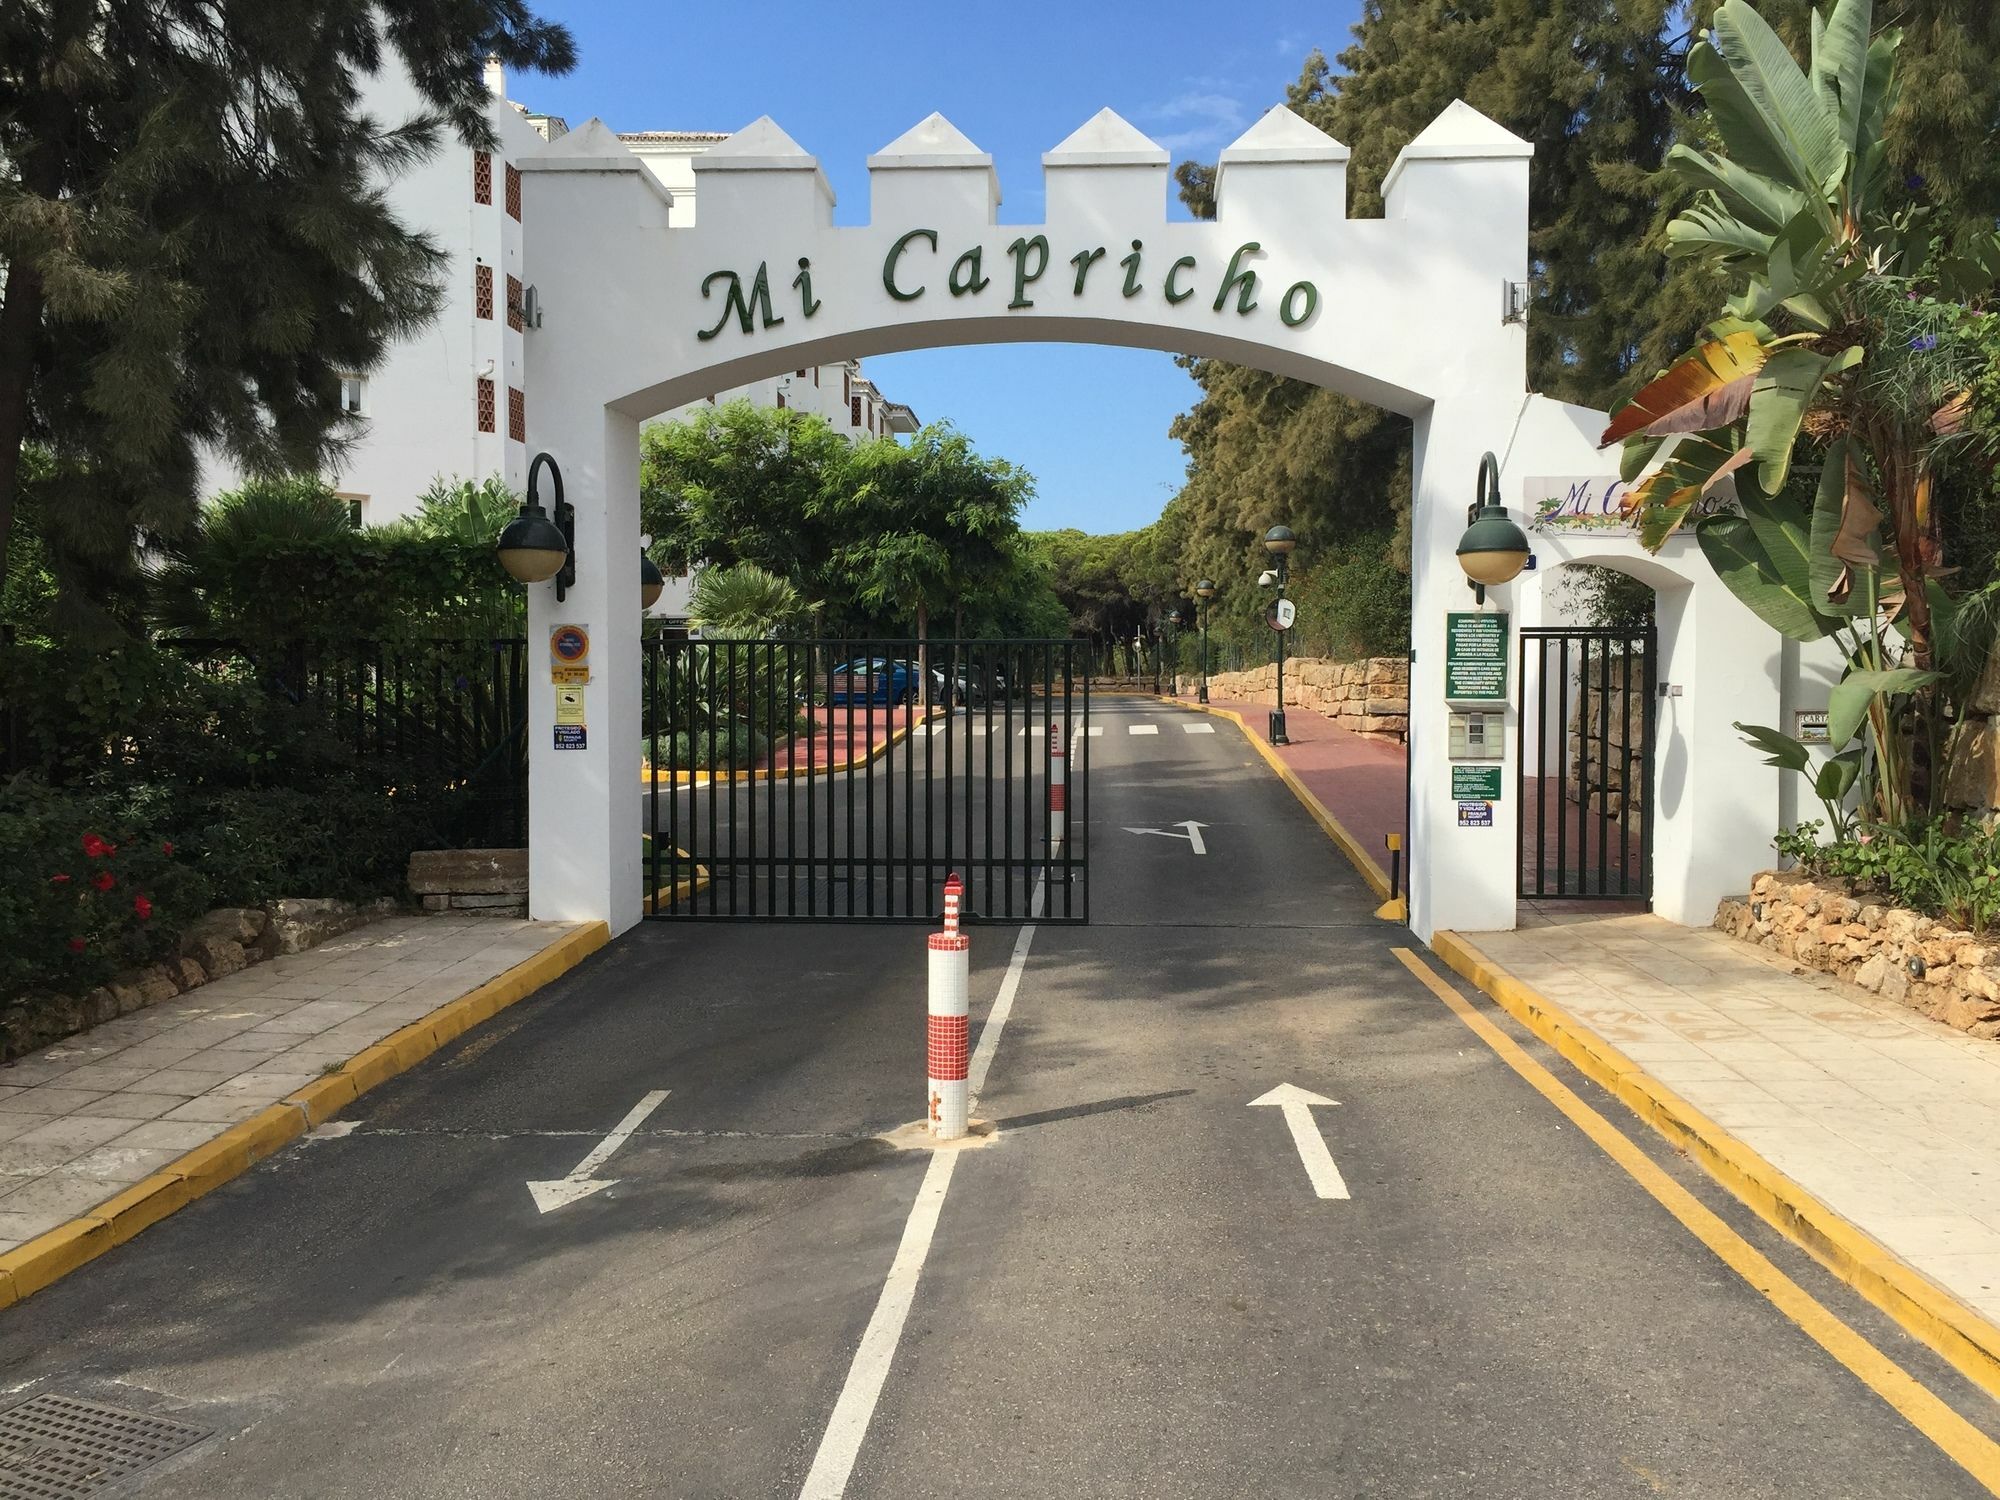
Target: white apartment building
{"points": [[452, 402]]}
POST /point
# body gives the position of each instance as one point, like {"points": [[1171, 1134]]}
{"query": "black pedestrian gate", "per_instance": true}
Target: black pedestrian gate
{"points": [[1586, 771], [818, 780]]}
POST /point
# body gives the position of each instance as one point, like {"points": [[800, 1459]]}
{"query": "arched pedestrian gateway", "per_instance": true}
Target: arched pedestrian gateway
{"points": [[1412, 311]]}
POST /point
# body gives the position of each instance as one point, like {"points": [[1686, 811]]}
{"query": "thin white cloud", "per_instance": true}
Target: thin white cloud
{"points": [[1208, 117]]}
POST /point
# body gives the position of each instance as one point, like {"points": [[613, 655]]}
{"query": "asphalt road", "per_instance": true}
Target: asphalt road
{"points": [[1133, 1290]]}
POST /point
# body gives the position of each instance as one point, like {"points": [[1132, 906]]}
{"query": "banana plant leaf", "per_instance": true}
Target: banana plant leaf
{"points": [[1844, 523], [1692, 471], [1840, 66], [1847, 706], [1764, 564], [1767, 112], [1836, 777], [1706, 389], [1763, 205], [1779, 749], [1784, 389]]}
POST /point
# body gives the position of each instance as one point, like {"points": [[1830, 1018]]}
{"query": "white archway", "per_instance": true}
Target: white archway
{"points": [[1408, 311]]}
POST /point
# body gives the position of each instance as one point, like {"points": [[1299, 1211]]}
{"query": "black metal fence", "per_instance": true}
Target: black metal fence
{"points": [[1585, 778], [845, 780], [454, 713]]}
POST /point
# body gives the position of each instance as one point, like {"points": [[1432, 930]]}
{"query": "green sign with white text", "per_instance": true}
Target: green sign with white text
{"points": [[1475, 783], [1475, 657]]}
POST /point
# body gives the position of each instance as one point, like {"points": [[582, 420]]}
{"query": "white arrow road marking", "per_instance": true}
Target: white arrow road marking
{"points": [[1193, 834], [1297, 1105], [550, 1196]]}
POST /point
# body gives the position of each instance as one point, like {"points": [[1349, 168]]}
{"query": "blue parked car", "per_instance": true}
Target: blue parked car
{"points": [[871, 680]]}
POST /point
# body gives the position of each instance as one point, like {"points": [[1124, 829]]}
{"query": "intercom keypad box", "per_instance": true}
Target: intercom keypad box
{"points": [[1476, 735]]}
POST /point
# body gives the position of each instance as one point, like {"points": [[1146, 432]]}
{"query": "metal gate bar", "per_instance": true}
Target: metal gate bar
{"points": [[1608, 854], [776, 763]]}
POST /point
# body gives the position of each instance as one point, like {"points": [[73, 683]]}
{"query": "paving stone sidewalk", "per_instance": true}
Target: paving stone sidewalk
{"points": [[85, 1118], [1890, 1118]]}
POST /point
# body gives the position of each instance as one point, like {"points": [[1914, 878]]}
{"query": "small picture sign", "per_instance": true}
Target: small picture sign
{"points": [[1475, 815], [569, 706], [569, 655], [1809, 726], [570, 736]]}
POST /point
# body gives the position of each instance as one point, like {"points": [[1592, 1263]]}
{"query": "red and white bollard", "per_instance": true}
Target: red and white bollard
{"points": [[950, 1049], [1058, 789]]}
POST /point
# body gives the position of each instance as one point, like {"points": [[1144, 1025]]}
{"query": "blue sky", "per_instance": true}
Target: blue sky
{"points": [[844, 80]]}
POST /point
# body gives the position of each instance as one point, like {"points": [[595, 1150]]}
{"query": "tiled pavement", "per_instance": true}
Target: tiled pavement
{"points": [[90, 1116], [1891, 1119]]}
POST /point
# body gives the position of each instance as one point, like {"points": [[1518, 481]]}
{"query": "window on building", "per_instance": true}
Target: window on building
{"points": [[514, 303], [482, 291], [482, 177], [513, 192], [802, 375], [486, 411], [517, 414], [853, 411], [781, 401], [815, 377], [356, 507], [354, 395]]}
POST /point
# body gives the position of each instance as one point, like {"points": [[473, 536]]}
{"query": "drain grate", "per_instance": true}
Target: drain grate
{"points": [[53, 1448]]}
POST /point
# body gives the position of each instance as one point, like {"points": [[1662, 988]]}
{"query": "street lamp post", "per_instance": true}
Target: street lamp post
{"points": [[1204, 591], [1174, 651], [1279, 541]]}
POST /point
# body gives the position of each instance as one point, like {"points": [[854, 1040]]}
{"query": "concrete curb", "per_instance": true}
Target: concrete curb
{"points": [[1347, 843], [52, 1255], [1964, 1338], [650, 777]]}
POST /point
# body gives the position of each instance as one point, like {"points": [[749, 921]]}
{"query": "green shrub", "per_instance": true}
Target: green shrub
{"points": [[1943, 867]]}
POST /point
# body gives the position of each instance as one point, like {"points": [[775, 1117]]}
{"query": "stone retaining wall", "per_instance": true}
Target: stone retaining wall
{"points": [[479, 882], [1370, 697], [1943, 971], [223, 942]]}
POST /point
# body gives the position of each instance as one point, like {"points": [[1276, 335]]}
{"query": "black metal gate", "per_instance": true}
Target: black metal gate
{"points": [[1586, 771], [818, 780]]}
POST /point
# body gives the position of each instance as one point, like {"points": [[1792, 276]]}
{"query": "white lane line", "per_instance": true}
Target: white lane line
{"points": [[840, 1444], [1197, 729], [1142, 729]]}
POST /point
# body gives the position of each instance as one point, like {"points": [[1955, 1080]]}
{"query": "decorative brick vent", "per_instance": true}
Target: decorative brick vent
{"points": [[482, 291], [482, 177], [517, 414], [1945, 972], [513, 192], [487, 882], [514, 303], [486, 409]]}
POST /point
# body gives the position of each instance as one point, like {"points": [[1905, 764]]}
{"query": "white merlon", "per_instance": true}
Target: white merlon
{"points": [[1280, 135], [1107, 139], [763, 147], [1460, 133], [952, 170]]}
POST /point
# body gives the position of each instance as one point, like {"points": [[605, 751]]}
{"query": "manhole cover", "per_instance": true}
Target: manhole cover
{"points": [[53, 1448]]}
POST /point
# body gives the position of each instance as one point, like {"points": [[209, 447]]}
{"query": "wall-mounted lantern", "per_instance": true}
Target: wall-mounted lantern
{"points": [[536, 547], [1494, 549]]}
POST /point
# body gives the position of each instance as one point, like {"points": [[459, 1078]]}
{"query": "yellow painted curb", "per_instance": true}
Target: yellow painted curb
{"points": [[53, 1255], [1363, 862], [1969, 1342], [651, 777]]}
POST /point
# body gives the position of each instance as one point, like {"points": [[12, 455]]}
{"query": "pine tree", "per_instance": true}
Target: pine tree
{"points": [[196, 244]]}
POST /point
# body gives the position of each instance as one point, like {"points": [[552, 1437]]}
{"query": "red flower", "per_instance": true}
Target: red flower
{"points": [[76, 945], [103, 880], [166, 848], [96, 848], [143, 907], [59, 879]]}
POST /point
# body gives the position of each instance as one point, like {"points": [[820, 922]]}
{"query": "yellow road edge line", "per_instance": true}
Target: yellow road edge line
{"points": [[1965, 1444], [1964, 1339], [1363, 862], [53, 1254], [650, 777]]}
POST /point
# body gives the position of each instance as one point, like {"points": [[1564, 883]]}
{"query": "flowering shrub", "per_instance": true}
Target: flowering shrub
{"points": [[89, 885]]}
